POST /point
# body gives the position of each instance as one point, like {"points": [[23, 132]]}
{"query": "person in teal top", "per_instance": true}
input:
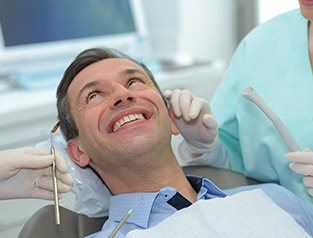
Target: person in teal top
{"points": [[275, 60]]}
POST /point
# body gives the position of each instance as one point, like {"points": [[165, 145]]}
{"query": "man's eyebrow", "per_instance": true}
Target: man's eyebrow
{"points": [[86, 86], [132, 71]]}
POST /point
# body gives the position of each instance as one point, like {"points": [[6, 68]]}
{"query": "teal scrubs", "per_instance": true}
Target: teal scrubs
{"points": [[274, 60]]}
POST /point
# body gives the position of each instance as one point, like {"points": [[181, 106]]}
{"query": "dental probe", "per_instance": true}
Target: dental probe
{"points": [[250, 94], [54, 177], [123, 220]]}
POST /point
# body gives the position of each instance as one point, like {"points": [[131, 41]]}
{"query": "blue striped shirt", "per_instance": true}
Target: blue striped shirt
{"points": [[153, 207]]}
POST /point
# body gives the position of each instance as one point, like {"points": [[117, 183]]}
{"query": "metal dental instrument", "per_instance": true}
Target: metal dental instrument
{"points": [[123, 220], [55, 184], [250, 94]]}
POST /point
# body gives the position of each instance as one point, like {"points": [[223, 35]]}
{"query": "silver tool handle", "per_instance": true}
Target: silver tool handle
{"points": [[123, 220], [55, 190]]}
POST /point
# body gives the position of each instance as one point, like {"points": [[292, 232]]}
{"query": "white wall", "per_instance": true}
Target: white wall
{"points": [[269, 8], [162, 18], [208, 28], [201, 28]]}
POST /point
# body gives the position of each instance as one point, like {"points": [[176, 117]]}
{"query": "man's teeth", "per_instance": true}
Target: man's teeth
{"points": [[126, 119]]}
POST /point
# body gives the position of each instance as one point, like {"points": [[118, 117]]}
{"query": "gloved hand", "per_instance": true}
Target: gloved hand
{"points": [[26, 173], [194, 120], [302, 163]]}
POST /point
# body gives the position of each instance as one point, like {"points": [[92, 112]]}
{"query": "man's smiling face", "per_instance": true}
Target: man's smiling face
{"points": [[118, 112]]}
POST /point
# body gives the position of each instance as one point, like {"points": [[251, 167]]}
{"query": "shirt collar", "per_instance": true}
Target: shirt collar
{"points": [[122, 203], [207, 189]]}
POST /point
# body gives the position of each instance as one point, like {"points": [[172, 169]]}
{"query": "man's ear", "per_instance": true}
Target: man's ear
{"points": [[76, 154], [175, 131]]}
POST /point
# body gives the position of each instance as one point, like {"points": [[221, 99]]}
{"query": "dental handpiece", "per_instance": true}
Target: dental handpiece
{"points": [[250, 94]]}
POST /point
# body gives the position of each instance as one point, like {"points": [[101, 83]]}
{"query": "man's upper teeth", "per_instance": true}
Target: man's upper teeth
{"points": [[126, 119]]}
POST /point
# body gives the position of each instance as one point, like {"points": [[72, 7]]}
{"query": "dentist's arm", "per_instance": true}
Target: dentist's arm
{"points": [[26, 173], [196, 124], [302, 163]]}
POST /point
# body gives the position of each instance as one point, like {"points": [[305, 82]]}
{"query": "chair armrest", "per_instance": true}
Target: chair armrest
{"points": [[73, 225]]}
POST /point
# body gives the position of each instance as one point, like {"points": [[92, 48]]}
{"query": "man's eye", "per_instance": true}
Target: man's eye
{"points": [[134, 81], [92, 95]]}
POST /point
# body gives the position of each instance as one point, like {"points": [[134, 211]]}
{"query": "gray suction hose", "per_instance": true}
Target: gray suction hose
{"points": [[250, 94]]}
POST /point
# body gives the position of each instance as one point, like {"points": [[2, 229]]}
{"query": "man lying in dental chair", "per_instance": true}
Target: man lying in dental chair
{"points": [[116, 121]]}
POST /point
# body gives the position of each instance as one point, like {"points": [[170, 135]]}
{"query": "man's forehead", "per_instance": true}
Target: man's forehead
{"points": [[107, 68], [110, 66]]}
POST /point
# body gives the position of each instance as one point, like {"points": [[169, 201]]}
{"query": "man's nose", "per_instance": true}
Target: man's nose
{"points": [[122, 97]]}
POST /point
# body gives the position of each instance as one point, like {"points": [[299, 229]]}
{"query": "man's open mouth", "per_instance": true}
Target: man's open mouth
{"points": [[127, 119], [128, 116]]}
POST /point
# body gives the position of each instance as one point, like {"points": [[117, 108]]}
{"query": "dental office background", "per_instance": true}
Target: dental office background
{"points": [[186, 43]]}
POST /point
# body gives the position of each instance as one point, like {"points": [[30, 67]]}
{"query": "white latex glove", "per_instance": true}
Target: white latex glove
{"points": [[26, 173], [302, 163], [194, 120]]}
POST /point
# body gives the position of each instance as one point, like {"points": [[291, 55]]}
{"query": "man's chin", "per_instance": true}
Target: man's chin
{"points": [[139, 146]]}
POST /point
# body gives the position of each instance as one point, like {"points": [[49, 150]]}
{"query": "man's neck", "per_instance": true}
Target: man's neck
{"points": [[151, 178]]}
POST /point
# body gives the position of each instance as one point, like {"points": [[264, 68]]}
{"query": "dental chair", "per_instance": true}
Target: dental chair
{"points": [[73, 225]]}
